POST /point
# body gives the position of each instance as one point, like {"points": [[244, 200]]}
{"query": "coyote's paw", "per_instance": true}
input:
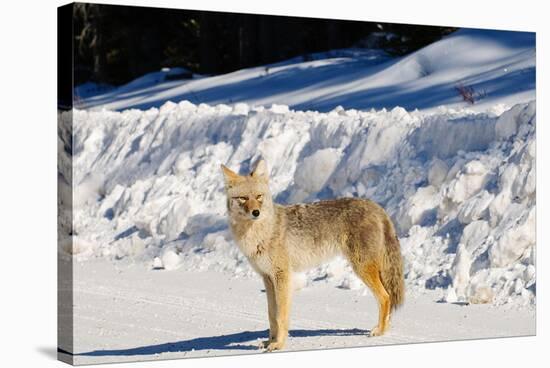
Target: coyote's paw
{"points": [[274, 345], [376, 331], [264, 344]]}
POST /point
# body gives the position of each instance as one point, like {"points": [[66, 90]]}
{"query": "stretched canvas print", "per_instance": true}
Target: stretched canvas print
{"points": [[245, 183]]}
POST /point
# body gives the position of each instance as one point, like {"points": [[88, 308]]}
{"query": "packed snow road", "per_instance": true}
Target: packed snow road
{"points": [[126, 312]]}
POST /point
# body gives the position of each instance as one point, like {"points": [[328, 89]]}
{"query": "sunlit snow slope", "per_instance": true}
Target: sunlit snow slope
{"points": [[498, 65]]}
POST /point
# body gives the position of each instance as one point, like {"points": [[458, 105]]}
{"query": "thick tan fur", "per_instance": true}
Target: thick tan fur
{"points": [[279, 240]]}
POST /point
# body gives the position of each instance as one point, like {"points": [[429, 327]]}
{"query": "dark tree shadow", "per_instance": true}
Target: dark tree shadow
{"points": [[236, 341]]}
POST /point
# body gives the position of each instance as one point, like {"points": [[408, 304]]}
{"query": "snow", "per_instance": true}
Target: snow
{"points": [[460, 271], [148, 185], [128, 313], [498, 65], [314, 171], [438, 172], [170, 259], [474, 208], [90, 89], [512, 245], [470, 180]]}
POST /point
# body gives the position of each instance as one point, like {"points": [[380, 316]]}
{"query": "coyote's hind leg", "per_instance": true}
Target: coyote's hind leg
{"points": [[370, 274]]}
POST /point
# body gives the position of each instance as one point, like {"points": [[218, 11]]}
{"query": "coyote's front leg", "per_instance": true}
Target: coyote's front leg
{"points": [[271, 309], [281, 284]]}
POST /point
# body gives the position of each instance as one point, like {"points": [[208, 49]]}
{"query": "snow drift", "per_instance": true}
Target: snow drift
{"points": [[460, 187]]}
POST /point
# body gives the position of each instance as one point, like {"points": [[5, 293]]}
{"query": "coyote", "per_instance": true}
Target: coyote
{"points": [[279, 240]]}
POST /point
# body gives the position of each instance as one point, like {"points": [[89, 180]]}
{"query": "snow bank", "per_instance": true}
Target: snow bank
{"points": [[459, 186]]}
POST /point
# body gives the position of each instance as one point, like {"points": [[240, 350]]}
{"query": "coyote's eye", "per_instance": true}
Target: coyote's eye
{"points": [[241, 199], [259, 197]]}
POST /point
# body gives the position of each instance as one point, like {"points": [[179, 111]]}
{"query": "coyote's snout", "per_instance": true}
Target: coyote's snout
{"points": [[279, 240]]}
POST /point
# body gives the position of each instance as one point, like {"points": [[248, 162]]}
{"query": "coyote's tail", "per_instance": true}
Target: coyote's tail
{"points": [[392, 270]]}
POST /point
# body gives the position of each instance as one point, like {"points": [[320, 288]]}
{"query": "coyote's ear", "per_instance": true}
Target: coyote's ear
{"points": [[231, 177], [260, 171]]}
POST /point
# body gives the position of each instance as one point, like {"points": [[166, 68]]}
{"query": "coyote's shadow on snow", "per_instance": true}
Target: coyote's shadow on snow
{"points": [[236, 341]]}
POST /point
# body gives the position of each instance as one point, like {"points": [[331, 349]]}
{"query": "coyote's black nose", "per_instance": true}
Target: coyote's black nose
{"points": [[255, 213]]}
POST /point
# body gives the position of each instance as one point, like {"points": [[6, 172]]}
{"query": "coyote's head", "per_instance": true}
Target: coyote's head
{"points": [[248, 197]]}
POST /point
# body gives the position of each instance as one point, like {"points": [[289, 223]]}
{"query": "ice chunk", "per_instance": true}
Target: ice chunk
{"points": [[316, 169], [438, 172], [170, 259]]}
